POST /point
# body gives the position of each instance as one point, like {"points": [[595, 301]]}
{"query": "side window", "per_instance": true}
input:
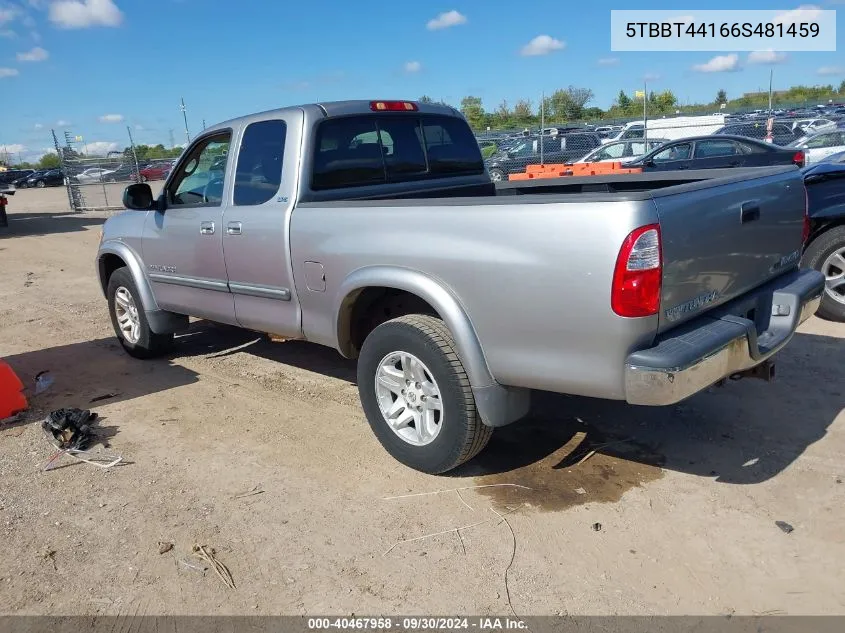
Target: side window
{"points": [[451, 147], [258, 175], [200, 177], [713, 149], [676, 152], [614, 151], [823, 140], [348, 155]]}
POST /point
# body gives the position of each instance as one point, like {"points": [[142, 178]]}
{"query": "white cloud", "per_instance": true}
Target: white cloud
{"points": [[608, 61], [139, 127], [445, 20], [827, 71], [8, 33], [62, 123], [111, 118], [413, 67], [766, 57], [14, 148], [719, 64], [8, 72], [100, 148], [80, 14], [38, 126], [7, 15], [37, 54], [542, 45], [804, 13]]}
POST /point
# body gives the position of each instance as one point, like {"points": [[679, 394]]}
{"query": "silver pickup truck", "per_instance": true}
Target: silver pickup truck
{"points": [[373, 228]]}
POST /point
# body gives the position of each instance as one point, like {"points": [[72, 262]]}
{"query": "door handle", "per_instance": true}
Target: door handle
{"points": [[750, 212], [207, 228], [233, 228]]}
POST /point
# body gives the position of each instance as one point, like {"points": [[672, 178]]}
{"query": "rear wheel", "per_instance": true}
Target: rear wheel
{"points": [[129, 320], [497, 175], [826, 253], [40, 184], [417, 396]]}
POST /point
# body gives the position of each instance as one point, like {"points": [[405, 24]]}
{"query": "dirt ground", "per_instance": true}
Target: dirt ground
{"points": [[674, 514]]}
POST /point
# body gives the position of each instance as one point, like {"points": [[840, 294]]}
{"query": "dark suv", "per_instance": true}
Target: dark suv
{"points": [[49, 178], [782, 133], [563, 148], [9, 176]]}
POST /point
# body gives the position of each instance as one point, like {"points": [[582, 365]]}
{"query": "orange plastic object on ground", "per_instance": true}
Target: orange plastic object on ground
{"points": [[12, 400]]}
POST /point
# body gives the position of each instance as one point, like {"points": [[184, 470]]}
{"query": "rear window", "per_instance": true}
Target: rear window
{"points": [[358, 151]]}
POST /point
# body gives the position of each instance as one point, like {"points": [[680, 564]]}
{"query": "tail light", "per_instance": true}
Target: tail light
{"points": [[638, 274], [393, 106], [805, 234], [799, 158]]}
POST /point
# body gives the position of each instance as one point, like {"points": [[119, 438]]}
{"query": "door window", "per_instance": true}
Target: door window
{"points": [[200, 176], [613, 151], [258, 174], [714, 149], [676, 152], [823, 140]]}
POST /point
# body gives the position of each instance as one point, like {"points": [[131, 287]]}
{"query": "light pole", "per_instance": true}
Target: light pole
{"points": [[185, 117]]}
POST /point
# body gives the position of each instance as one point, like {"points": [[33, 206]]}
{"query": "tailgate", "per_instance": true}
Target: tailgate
{"points": [[724, 237]]}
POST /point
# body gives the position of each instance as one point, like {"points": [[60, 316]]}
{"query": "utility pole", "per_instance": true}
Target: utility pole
{"points": [[203, 125], [645, 115], [185, 116], [542, 123], [771, 74]]}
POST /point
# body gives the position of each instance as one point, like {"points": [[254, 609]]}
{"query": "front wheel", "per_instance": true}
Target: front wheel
{"points": [[40, 184], [417, 397], [826, 253], [497, 175], [129, 320]]}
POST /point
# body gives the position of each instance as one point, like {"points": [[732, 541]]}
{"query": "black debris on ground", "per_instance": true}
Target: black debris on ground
{"points": [[71, 428]]}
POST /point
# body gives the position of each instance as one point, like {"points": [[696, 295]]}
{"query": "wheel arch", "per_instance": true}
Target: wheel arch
{"points": [[113, 255], [497, 404]]}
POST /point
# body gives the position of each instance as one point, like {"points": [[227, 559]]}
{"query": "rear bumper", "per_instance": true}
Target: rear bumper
{"points": [[698, 354]]}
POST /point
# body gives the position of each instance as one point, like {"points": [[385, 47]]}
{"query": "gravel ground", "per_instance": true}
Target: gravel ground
{"points": [[675, 513]]}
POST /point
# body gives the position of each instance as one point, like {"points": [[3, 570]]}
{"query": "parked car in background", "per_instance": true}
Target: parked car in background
{"points": [[156, 171], [20, 183], [121, 173], [839, 157], [825, 250], [717, 152], [808, 126], [10, 176], [49, 178], [92, 175], [821, 144], [622, 151], [782, 133], [563, 148]]}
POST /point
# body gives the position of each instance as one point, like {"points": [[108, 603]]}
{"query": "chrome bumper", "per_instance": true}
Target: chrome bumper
{"points": [[719, 345]]}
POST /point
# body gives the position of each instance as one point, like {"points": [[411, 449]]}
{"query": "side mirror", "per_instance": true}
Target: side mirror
{"points": [[138, 197]]}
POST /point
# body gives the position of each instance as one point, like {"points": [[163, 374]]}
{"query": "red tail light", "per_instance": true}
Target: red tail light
{"points": [[799, 158], [638, 274], [805, 234], [393, 106]]}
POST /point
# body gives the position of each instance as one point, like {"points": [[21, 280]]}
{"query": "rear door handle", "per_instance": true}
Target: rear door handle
{"points": [[207, 228], [233, 228], [750, 212]]}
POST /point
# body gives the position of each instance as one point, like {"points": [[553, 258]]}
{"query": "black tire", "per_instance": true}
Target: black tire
{"points": [[143, 178], [463, 434], [40, 184], [497, 175], [149, 344], [815, 256]]}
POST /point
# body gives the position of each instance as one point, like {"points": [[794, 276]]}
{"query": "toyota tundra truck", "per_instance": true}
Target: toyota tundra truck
{"points": [[372, 227]]}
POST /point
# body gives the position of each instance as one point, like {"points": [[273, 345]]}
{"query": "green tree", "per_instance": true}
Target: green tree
{"points": [[842, 87], [49, 161], [567, 103], [623, 101], [721, 97], [663, 101], [425, 99], [473, 111]]}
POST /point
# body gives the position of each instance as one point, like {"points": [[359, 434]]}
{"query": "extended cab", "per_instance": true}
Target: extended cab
{"points": [[373, 228]]}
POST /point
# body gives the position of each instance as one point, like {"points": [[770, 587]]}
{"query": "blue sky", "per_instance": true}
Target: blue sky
{"points": [[95, 66]]}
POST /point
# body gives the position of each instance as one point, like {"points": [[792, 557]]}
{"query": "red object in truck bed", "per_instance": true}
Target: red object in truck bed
{"points": [[12, 400]]}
